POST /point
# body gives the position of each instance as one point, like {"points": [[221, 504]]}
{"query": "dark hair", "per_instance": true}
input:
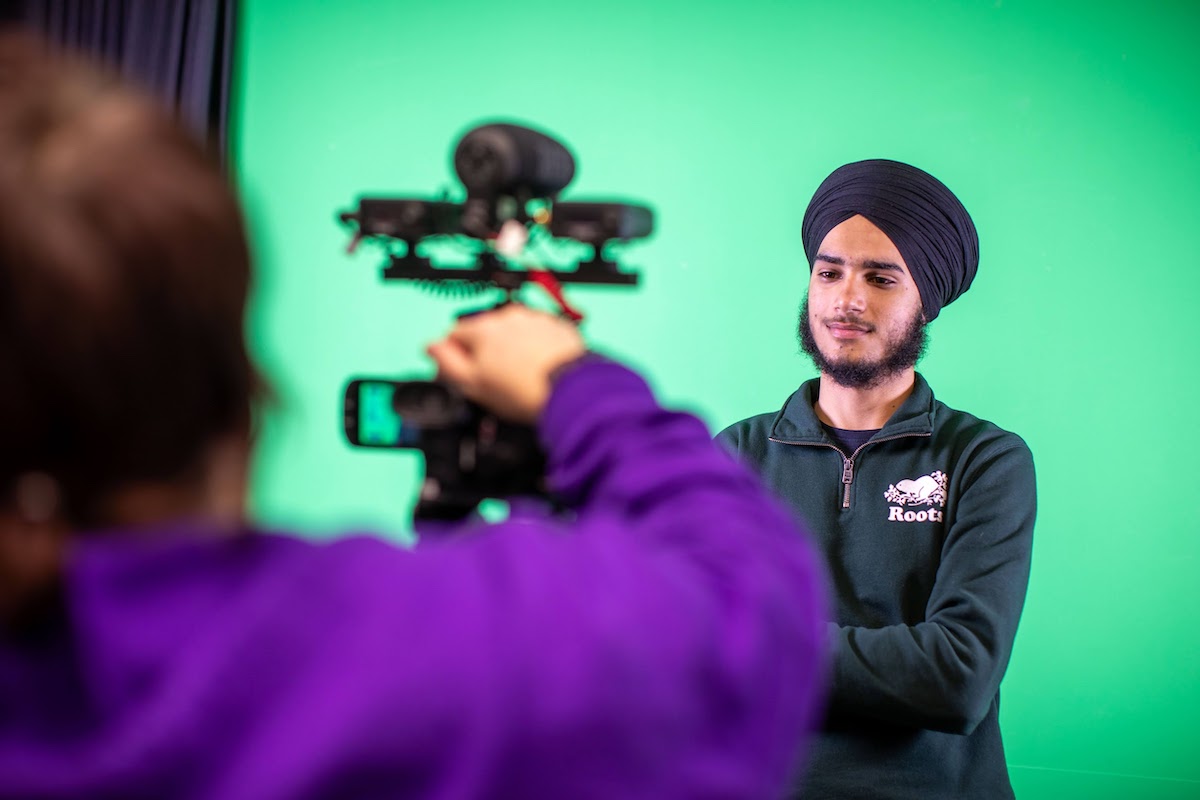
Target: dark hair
{"points": [[124, 272]]}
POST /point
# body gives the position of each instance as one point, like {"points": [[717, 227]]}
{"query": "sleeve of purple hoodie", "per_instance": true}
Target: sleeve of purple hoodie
{"points": [[666, 642]]}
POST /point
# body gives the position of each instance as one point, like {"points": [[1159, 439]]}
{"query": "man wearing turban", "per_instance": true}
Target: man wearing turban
{"points": [[925, 514]]}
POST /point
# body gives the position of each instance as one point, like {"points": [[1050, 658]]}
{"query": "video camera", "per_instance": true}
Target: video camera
{"points": [[513, 176]]}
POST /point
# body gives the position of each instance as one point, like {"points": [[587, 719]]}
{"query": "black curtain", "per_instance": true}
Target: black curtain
{"points": [[180, 50]]}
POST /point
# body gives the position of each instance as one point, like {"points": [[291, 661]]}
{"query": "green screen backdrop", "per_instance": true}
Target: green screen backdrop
{"points": [[1068, 129]]}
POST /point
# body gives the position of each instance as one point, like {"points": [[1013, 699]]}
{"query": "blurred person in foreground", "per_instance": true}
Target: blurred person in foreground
{"points": [[667, 642]]}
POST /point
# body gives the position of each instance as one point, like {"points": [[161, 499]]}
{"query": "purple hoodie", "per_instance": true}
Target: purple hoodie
{"points": [[667, 643]]}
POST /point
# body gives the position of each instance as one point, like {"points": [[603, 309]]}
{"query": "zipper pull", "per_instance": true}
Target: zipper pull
{"points": [[847, 479]]}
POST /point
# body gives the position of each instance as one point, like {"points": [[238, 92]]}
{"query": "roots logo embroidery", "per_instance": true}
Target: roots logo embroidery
{"points": [[924, 492]]}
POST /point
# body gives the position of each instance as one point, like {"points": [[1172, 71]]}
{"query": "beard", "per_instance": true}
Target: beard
{"points": [[901, 354]]}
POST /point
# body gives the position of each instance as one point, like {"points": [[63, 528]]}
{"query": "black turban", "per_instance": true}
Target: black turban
{"points": [[926, 222]]}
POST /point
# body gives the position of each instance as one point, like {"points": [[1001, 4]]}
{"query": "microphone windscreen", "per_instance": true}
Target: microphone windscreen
{"points": [[502, 158]]}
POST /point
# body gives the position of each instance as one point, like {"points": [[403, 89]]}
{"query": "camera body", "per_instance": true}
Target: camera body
{"points": [[470, 454]]}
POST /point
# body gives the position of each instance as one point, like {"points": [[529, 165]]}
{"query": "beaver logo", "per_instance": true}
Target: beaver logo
{"points": [[927, 490]]}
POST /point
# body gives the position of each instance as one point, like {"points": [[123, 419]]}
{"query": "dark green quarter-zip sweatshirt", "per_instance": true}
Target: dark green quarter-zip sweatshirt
{"points": [[927, 530]]}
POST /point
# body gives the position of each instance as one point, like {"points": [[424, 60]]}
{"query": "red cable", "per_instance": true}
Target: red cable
{"points": [[554, 289]]}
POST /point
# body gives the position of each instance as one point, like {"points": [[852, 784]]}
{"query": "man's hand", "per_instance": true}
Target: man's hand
{"points": [[503, 359]]}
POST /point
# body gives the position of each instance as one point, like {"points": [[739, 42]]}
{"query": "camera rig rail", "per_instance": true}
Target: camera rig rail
{"points": [[513, 176]]}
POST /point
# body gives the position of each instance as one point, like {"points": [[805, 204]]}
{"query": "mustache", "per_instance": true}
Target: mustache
{"points": [[847, 320]]}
